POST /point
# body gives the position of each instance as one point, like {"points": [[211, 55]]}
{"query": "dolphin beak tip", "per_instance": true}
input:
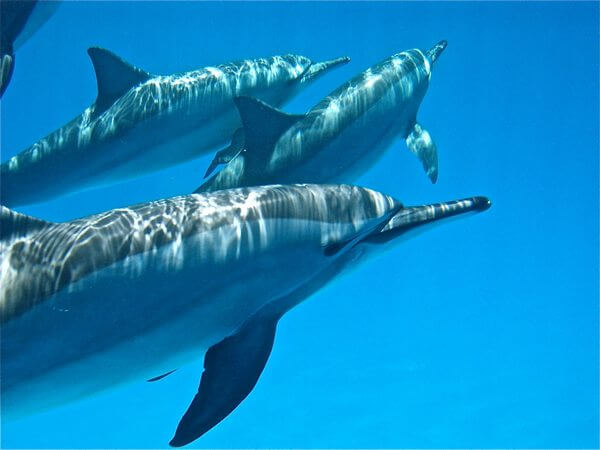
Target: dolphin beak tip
{"points": [[482, 203]]}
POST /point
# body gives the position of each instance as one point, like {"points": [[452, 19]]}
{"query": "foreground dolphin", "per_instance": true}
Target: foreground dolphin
{"points": [[140, 123], [19, 19], [137, 292], [340, 137]]}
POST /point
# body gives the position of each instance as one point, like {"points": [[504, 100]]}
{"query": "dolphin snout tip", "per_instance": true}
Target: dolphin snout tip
{"points": [[482, 203], [435, 51]]}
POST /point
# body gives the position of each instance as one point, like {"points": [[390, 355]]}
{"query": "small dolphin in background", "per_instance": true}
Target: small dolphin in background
{"points": [[141, 123], [19, 20], [137, 292], [339, 138]]}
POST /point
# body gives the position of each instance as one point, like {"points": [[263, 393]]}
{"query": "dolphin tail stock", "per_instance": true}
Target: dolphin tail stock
{"points": [[434, 52], [418, 218], [14, 224], [315, 70], [228, 153], [419, 142]]}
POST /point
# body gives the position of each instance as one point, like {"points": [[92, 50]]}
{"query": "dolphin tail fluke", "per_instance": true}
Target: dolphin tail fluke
{"points": [[7, 64], [315, 70], [228, 153], [14, 224], [231, 370], [419, 218], [419, 142]]}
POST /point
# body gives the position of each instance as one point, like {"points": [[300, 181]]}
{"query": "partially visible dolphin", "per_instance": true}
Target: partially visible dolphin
{"points": [[19, 20], [136, 292], [340, 137], [140, 123]]}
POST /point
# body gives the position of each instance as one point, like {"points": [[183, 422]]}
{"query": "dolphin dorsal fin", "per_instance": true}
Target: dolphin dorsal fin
{"points": [[14, 224], [263, 124], [114, 76]]}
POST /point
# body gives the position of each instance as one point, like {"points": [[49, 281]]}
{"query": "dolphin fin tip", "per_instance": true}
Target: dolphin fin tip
{"points": [[432, 173], [420, 143]]}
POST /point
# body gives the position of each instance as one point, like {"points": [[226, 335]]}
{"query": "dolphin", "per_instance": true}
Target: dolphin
{"points": [[19, 20], [134, 293], [141, 123], [340, 137]]}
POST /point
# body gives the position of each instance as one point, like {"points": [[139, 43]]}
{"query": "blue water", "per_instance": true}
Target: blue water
{"points": [[480, 333]]}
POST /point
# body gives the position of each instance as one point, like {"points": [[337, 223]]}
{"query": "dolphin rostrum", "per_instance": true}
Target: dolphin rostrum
{"points": [[137, 292], [140, 122], [19, 20], [340, 137]]}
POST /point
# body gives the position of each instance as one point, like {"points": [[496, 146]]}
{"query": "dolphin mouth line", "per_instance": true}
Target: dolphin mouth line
{"points": [[412, 217]]}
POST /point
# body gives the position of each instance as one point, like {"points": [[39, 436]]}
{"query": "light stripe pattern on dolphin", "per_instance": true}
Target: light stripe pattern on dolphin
{"points": [[141, 123], [137, 292], [340, 137]]}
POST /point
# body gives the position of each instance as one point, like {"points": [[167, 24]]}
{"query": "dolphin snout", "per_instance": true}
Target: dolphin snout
{"points": [[317, 69], [436, 51]]}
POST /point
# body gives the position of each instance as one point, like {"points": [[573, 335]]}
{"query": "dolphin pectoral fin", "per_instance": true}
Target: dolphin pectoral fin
{"points": [[421, 144], [160, 377], [7, 64], [227, 154], [114, 77], [263, 124], [231, 369]]}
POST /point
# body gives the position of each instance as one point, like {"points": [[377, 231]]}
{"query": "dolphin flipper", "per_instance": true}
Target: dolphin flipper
{"points": [[227, 154], [231, 369], [421, 144], [7, 64]]}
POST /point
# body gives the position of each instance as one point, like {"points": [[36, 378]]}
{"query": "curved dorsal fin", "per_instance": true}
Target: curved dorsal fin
{"points": [[114, 76], [263, 124], [13, 224]]}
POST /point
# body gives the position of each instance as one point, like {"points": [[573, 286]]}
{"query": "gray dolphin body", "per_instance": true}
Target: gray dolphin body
{"points": [[339, 138], [19, 20], [137, 292], [140, 123]]}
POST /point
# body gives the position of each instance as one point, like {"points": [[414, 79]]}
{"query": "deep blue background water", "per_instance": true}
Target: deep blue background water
{"points": [[483, 332]]}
